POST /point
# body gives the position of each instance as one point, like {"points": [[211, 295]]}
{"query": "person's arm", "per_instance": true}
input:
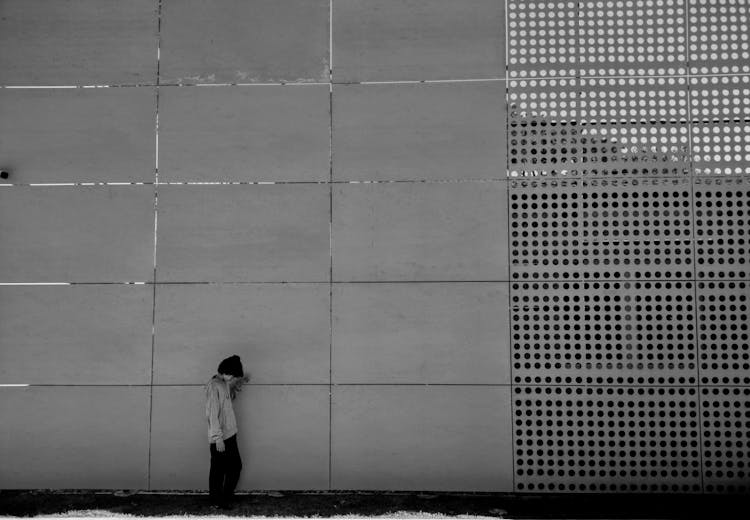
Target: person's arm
{"points": [[215, 433], [236, 386]]}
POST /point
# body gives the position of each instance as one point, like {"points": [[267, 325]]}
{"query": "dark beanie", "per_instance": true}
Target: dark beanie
{"points": [[231, 366]]}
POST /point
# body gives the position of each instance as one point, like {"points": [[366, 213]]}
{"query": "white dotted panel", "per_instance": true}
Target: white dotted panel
{"points": [[542, 38], [632, 37], [634, 100], [543, 134], [719, 36]]}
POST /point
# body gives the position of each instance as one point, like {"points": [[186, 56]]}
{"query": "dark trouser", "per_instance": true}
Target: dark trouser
{"points": [[225, 471]]}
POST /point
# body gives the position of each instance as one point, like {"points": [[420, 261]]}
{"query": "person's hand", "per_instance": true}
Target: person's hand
{"points": [[220, 446]]}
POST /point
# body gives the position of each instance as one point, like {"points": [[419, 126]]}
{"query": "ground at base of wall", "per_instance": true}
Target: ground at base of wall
{"points": [[414, 505]]}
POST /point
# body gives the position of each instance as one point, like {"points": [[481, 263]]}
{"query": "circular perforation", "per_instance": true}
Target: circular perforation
{"points": [[600, 230], [720, 99], [542, 132], [634, 100], [632, 37], [719, 37], [603, 333], [657, 150], [542, 38], [606, 439], [726, 439], [725, 143], [724, 331], [722, 228]]}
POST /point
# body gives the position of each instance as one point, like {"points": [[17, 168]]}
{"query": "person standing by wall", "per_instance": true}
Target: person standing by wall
{"points": [[226, 463]]}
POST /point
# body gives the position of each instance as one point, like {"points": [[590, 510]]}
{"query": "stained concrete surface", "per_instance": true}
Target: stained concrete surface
{"points": [[77, 234], [283, 437], [391, 40], [438, 333], [74, 437], [76, 335], [73, 135], [281, 331], [419, 232], [78, 42], [422, 437], [243, 233], [436, 131], [235, 41], [257, 133]]}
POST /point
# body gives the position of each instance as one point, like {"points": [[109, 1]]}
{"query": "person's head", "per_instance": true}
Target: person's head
{"points": [[231, 368]]}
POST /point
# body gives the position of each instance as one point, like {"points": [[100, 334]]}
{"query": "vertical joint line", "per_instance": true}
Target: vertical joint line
{"points": [[156, 219], [330, 243], [691, 176], [508, 242]]}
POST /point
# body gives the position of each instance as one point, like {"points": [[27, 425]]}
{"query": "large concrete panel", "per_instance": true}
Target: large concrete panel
{"points": [[74, 135], [281, 331], [421, 333], [419, 131], [236, 41], [83, 334], [233, 233], [74, 437], [77, 234], [78, 42], [418, 39], [262, 133], [283, 437], [420, 231], [422, 438]]}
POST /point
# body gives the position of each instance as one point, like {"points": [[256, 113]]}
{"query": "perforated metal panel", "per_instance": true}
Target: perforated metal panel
{"points": [[724, 325], [538, 46], [628, 200], [603, 333], [543, 134], [719, 40], [722, 228], [720, 113], [600, 229], [606, 439], [632, 37], [726, 439]]}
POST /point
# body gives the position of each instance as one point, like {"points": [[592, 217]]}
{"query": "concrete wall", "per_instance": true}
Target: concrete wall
{"points": [[477, 245]]}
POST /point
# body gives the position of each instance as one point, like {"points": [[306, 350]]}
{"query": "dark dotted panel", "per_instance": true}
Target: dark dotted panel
{"points": [[720, 112], [543, 136], [725, 424], [722, 228], [634, 127], [606, 439], [724, 332], [600, 229], [719, 40], [603, 333], [542, 38], [629, 200], [632, 37]]}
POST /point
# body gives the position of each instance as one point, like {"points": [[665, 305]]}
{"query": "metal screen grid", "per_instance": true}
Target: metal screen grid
{"points": [[628, 150]]}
